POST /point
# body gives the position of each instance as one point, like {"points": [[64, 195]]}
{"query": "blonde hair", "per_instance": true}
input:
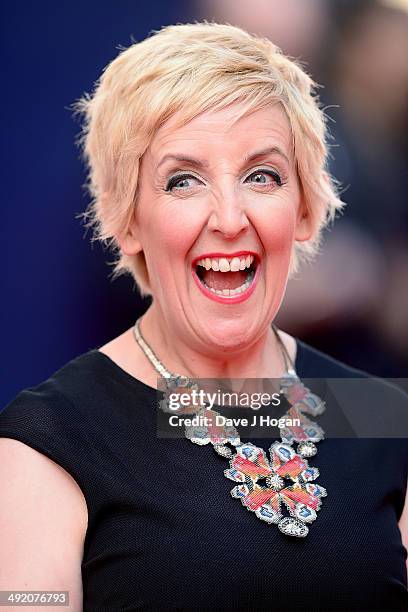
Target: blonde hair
{"points": [[189, 69]]}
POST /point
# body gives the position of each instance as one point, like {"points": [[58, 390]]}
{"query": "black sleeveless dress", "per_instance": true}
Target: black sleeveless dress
{"points": [[164, 532]]}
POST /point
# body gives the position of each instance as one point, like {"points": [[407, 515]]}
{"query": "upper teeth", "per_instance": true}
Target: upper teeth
{"points": [[224, 264]]}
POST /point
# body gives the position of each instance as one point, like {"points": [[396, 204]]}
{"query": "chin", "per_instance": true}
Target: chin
{"points": [[229, 335]]}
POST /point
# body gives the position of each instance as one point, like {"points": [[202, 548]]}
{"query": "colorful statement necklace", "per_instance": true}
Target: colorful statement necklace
{"points": [[266, 487]]}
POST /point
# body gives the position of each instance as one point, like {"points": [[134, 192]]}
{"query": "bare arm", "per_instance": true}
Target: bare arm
{"points": [[43, 521], [403, 524]]}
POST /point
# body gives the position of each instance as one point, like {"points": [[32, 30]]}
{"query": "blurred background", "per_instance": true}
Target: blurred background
{"points": [[58, 299]]}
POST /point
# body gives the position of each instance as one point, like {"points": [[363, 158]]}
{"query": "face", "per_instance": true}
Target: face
{"points": [[218, 212]]}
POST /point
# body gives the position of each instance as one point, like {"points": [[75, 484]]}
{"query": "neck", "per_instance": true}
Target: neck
{"points": [[263, 359]]}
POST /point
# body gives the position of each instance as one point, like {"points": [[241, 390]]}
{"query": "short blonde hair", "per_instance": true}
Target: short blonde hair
{"points": [[189, 69]]}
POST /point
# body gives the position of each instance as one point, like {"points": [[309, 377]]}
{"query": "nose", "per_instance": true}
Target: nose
{"points": [[228, 216]]}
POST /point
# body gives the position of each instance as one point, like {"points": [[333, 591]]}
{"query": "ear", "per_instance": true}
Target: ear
{"points": [[304, 224], [129, 242]]}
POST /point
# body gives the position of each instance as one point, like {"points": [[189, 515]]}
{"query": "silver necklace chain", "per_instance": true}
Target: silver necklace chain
{"points": [[162, 370]]}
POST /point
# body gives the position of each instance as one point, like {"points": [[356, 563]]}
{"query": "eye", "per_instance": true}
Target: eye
{"points": [[182, 182], [264, 177]]}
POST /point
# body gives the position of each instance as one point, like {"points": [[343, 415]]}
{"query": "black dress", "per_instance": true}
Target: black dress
{"points": [[164, 532]]}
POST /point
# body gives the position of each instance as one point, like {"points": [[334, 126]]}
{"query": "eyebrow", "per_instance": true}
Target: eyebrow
{"points": [[265, 152], [194, 161], [199, 163]]}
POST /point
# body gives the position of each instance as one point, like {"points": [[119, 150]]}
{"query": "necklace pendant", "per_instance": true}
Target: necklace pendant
{"points": [[267, 488], [205, 431], [223, 450], [293, 527]]}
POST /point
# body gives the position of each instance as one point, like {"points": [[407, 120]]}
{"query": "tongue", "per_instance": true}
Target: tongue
{"points": [[224, 280]]}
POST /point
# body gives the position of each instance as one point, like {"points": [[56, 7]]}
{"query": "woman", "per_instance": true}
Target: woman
{"points": [[207, 156]]}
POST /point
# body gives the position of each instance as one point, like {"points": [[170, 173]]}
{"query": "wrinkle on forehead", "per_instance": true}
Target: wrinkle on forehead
{"points": [[228, 128]]}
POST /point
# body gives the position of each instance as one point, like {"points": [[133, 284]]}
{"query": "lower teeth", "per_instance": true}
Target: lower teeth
{"points": [[232, 292]]}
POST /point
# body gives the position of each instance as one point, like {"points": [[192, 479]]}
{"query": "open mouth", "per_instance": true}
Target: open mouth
{"points": [[227, 277]]}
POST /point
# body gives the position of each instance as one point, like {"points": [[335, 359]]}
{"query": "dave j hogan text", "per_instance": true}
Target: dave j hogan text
{"points": [[220, 421]]}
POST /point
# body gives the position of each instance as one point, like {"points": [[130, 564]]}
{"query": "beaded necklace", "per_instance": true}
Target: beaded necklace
{"points": [[265, 486]]}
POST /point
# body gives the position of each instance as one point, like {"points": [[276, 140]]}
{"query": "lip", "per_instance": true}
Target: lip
{"points": [[241, 297]]}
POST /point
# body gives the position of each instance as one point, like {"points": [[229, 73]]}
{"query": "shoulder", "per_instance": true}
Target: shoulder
{"points": [[56, 418], [377, 407], [53, 398], [310, 362], [73, 415], [46, 495], [72, 390]]}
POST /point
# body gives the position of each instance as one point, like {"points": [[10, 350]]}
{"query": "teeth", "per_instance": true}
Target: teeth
{"points": [[223, 264], [235, 263], [232, 292]]}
